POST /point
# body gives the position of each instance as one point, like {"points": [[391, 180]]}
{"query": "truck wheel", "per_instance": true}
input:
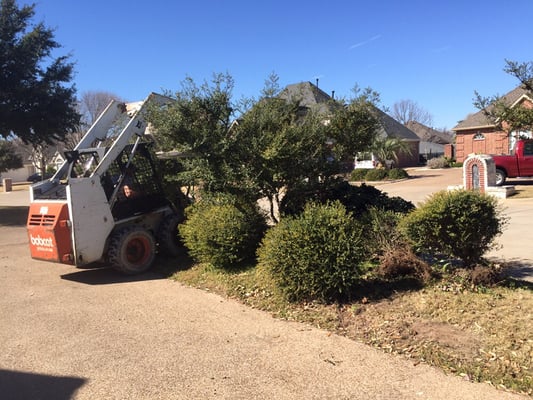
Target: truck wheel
{"points": [[500, 177], [168, 236], [132, 250]]}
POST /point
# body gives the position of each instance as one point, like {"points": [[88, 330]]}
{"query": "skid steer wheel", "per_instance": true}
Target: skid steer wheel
{"points": [[132, 250], [168, 236]]}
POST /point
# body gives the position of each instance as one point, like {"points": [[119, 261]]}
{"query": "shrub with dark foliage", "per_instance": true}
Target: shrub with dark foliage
{"points": [[356, 199]]}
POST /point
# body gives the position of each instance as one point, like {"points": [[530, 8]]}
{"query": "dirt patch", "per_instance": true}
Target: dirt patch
{"points": [[457, 340], [396, 326]]}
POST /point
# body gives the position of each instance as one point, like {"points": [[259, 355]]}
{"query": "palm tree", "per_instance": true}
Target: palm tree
{"points": [[387, 149]]}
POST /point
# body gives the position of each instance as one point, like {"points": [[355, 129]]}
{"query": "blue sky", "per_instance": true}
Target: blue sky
{"points": [[436, 53]]}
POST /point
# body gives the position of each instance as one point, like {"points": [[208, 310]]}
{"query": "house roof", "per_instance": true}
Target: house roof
{"points": [[427, 134], [480, 120], [308, 95], [392, 128]]}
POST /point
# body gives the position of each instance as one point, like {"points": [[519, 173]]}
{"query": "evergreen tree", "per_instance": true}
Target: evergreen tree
{"points": [[36, 103]]}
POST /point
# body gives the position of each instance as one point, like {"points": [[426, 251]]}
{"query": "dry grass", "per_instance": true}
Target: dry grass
{"points": [[482, 334]]}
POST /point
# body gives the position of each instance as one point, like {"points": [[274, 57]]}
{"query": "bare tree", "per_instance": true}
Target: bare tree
{"points": [[90, 106], [92, 103], [404, 111]]}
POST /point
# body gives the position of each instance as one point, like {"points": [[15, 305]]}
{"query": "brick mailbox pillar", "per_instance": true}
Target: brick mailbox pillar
{"points": [[8, 184], [479, 172]]}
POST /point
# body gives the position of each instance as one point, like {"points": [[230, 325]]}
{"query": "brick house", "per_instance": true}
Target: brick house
{"points": [[478, 134]]}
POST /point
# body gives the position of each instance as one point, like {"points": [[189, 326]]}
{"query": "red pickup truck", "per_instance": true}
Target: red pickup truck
{"points": [[518, 164]]}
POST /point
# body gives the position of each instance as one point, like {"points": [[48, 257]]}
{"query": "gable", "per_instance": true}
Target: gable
{"points": [[479, 120]]}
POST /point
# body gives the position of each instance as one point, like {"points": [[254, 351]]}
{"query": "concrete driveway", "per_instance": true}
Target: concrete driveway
{"points": [[94, 334]]}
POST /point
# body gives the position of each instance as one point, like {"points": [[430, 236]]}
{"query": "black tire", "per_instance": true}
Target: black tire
{"points": [[168, 236], [131, 250], [501, 176]]}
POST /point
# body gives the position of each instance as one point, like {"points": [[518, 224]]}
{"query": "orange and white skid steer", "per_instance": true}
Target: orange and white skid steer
{"points": [[106, 202]]}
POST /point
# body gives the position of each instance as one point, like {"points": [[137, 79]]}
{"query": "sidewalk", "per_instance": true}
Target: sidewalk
{"points": [[15, 198]]}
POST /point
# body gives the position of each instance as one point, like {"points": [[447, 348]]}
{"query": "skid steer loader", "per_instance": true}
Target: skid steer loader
{"points": [[106, 202]]}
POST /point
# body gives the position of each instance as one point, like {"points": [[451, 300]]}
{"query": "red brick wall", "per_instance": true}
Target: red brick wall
{"points": [[448, 151], [412, 160], [494, 142]]}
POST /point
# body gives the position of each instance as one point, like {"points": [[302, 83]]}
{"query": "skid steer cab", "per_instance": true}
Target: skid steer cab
{"points": [[106, 203]]}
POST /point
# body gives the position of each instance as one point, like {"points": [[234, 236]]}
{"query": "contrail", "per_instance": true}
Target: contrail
{"points": [[353, 46]]}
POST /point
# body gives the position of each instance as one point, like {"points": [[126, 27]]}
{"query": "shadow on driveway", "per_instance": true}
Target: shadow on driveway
{"points": [[25, 385], [102, 274], [13, 216], [107, 276]]}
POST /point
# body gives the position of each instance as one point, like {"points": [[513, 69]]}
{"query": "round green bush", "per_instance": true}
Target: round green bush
{"points": [[397, 173], [316, 255], [459, 224], [222, 232], [376, 174], [359, 174]]}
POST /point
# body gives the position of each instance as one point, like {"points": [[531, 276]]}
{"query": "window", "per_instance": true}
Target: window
{"points": [[528, 149], [479, 136]]}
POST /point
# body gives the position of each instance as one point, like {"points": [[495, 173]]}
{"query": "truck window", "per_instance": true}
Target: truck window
{"points": [[528, 149]]}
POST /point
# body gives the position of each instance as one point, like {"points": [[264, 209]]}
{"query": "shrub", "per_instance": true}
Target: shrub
{"points": [[376, 174], [458, 224], [397, 173], [356, 199], [440, 162], [221, 231], [316, 255], [359, 174], [381, 232]]}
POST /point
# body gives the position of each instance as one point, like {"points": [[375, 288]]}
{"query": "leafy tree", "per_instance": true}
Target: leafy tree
{"points": [[8, 158], [275, 144], [197, 126], [404, 111], [35, 102], [353, 127], [294, 144], [503, 114], [283, 148]]}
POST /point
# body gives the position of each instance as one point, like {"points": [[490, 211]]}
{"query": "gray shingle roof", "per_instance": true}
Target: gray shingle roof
{"points": [[427, 134], [309, 96], [480, 120], [392, 128], [312, 97]]}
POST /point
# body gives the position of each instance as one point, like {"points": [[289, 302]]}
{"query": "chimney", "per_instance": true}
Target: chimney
{"points": [[317, 83], [333, 94]]}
